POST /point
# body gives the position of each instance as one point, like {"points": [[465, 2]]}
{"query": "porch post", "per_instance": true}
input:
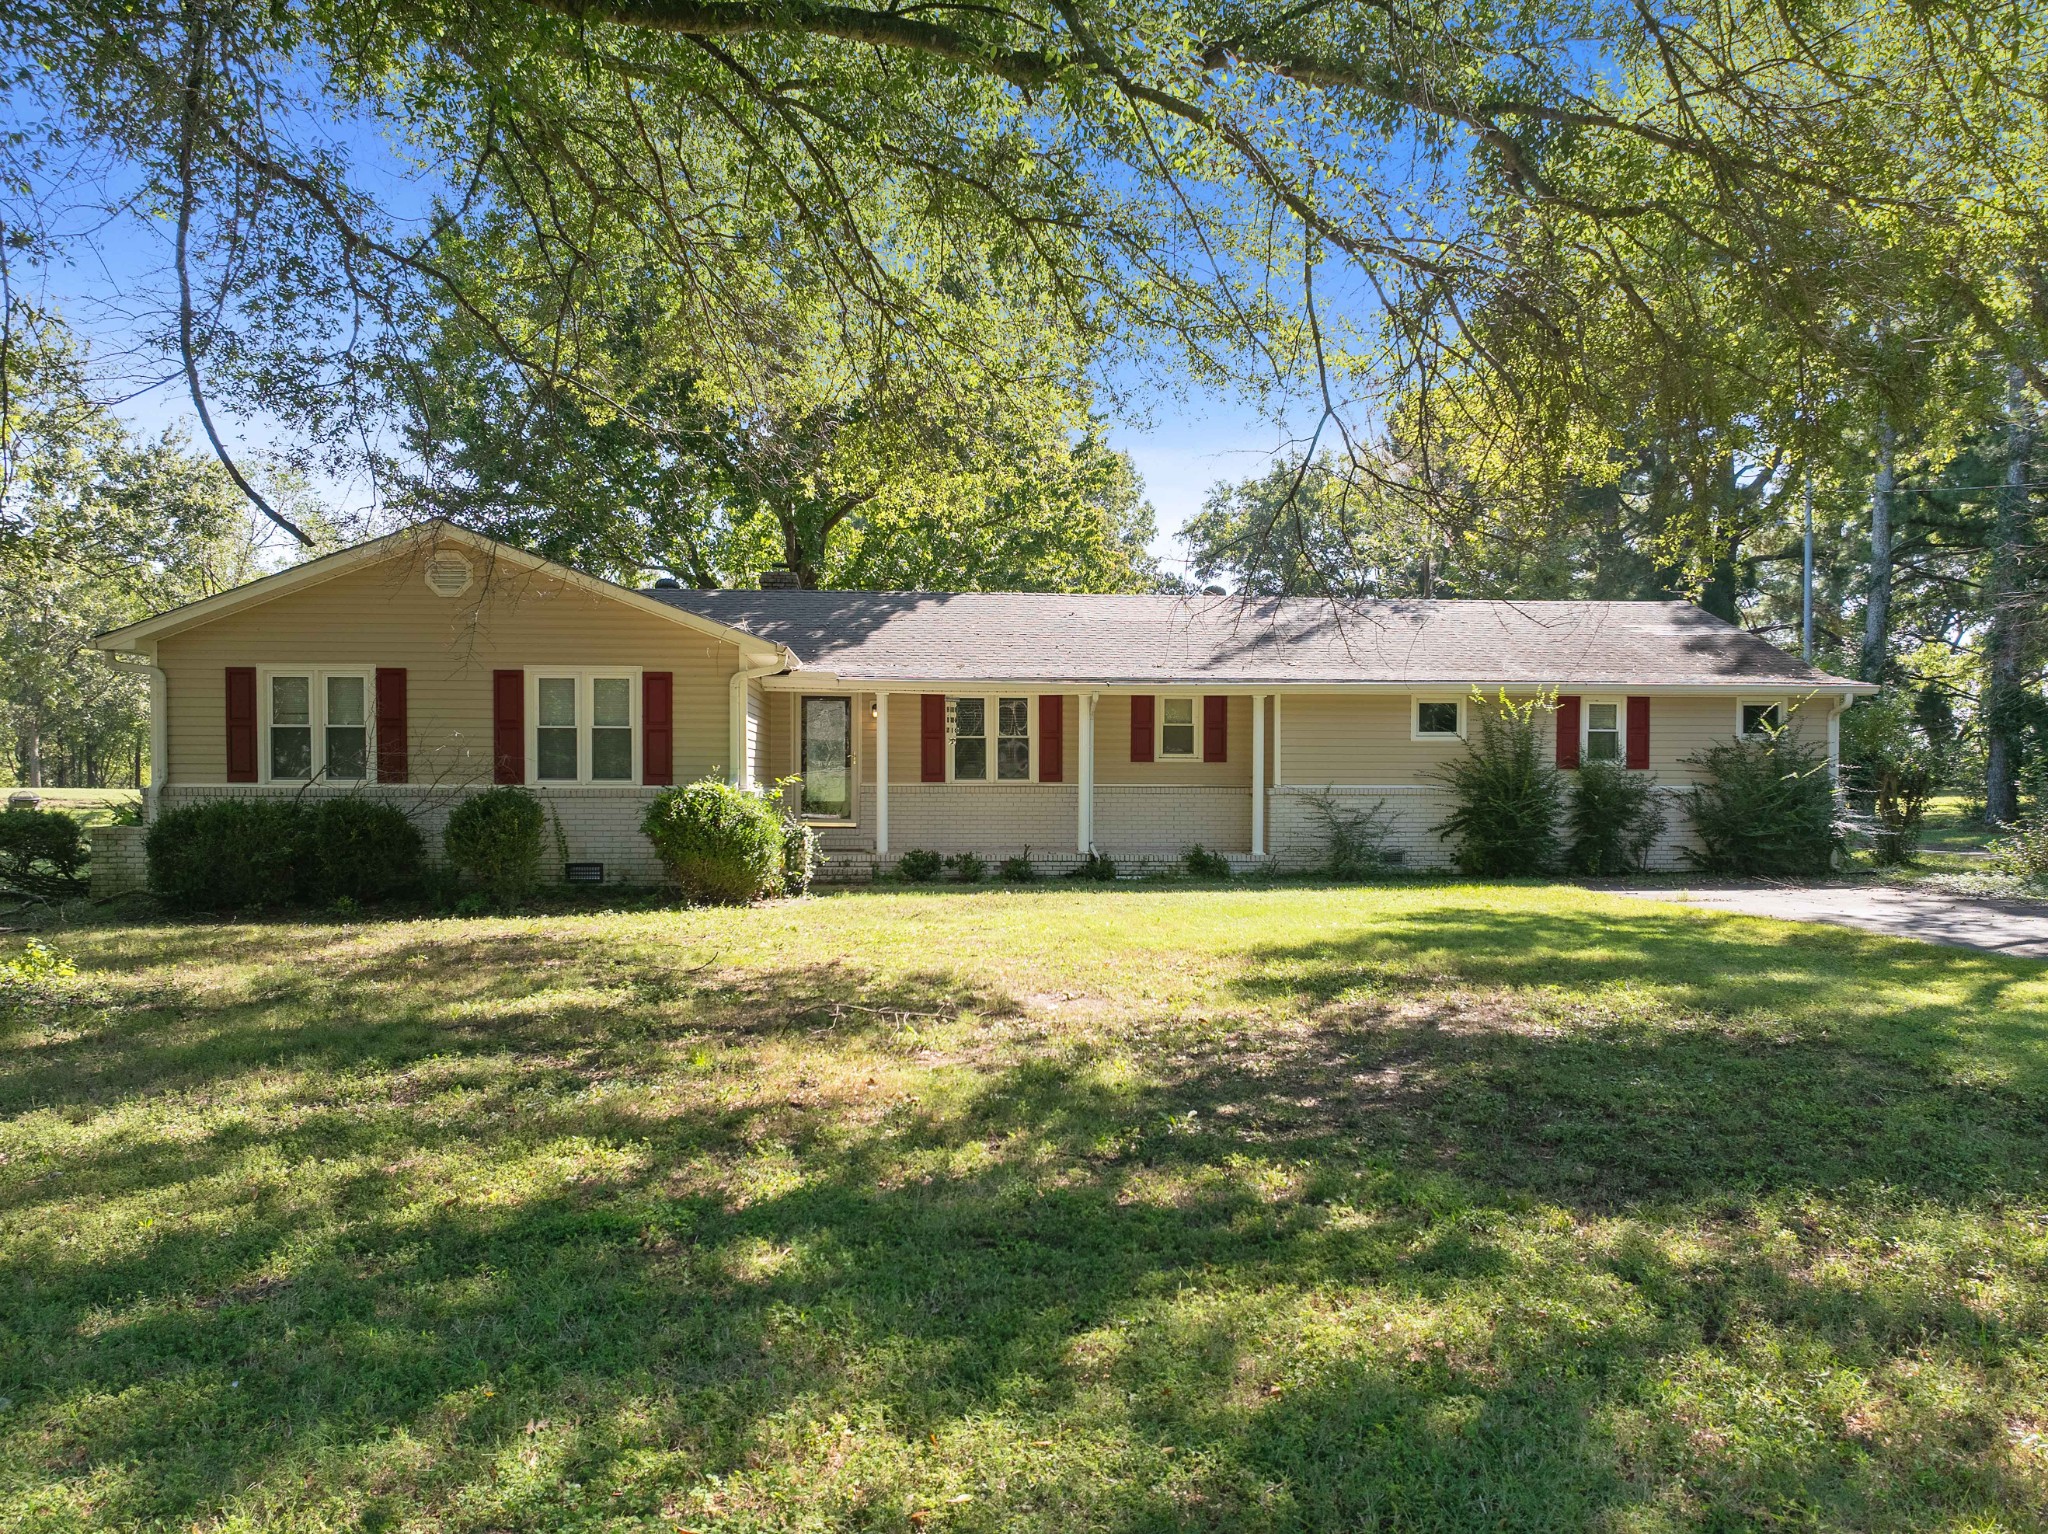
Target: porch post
{"points": [[1258, 774], [881, 772], [1085, 833]]}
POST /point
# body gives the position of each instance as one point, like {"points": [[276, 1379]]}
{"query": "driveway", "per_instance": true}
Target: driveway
{"points": [[2016, 927]]}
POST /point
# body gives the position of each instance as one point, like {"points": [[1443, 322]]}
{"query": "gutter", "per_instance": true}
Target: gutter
{"points": [[159, 721], [742, 770]]}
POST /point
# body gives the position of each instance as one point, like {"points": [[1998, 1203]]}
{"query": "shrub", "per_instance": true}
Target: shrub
{"points": [[357, 850], [967, 868], [919, 866], [1613, 819], [493, 840], [42, 853], [1201, 863], [722, 843], [2025, 852], [1354, 840], [1099, 866], [227, 854], [1766, 807], [1890, 770], [800, 855], [1507, 797], [1018, 869]]}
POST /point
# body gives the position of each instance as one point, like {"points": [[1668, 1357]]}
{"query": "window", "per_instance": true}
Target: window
{"points": [[555, 757], [611, 729], [970, 740], [1438, 719], [990, 732], [1013, 739], [1603, 731], [828, 757], [317, 726], [1761, 718], [1176, 727], [584, 726]]}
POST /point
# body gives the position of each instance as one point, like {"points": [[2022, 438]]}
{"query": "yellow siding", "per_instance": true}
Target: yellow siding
{"points": [[384, 615], [1113, 764], [1330, 738]]}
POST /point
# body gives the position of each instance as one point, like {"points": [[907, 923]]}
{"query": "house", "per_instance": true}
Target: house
{"points": [[433, 661]]}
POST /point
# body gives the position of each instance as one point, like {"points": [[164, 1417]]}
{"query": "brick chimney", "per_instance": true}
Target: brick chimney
{"points": [[780, 578]]}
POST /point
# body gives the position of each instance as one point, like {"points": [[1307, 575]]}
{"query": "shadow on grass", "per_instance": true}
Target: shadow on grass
{"points": [[1316, 1264]]}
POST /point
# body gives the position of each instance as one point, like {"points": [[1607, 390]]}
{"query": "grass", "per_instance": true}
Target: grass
{"points": [[1426, 1207], [89, 806]]}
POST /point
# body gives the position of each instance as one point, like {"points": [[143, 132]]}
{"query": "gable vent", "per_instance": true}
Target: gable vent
{"points": [[448, 574]]}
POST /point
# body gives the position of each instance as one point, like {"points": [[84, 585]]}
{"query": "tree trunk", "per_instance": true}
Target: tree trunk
{"points": [[1877, 606], [2005, 596], [32, 751]]}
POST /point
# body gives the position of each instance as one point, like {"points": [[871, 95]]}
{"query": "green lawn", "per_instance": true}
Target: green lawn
{"points": [[1426, 1207], [90, 806]]}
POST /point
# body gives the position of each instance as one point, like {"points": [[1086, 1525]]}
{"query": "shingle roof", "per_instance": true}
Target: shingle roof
{"points": [[1026, 636]]}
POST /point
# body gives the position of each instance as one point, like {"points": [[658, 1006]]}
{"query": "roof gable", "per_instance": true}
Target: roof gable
{"points": [[420, 542]]}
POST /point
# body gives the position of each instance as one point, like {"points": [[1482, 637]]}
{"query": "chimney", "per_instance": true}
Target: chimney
{"points": [[780, 578]]}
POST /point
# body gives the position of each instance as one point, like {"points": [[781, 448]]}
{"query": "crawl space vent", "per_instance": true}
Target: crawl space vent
{"points": [[448, 575]]}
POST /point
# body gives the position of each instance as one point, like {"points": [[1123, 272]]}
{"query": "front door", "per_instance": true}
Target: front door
{"points": [[828, 758]]}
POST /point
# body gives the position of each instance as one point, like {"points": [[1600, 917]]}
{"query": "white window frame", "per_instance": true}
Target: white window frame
{"points": [[1620, 757], [1782, 704], [1159, 751], [991, 706], [316, 713], [585, 719], [1415, 729]]}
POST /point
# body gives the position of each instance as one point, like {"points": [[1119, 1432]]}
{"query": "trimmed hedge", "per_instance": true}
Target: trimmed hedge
{"points": [[721, 843], [226, 855], [42, 853], [493, 839], [246, 854]]}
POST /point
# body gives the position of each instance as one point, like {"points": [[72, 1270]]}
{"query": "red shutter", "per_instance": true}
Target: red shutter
{"points": [[657, 727], [241, 724], [1141, 728], [391, 725], [508, 726], [932, 739], [1215, 729], [1052, 738], [1639, 733], [1568, 732]]}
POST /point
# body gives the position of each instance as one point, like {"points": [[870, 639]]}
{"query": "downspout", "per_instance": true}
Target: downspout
{"points": [[159, 723], [741, 771]]}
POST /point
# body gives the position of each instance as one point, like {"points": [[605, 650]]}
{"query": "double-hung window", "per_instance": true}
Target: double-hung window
{"points": [[991, 739], [1603, 730], [316, 726], [585, 726], [1177, 728]]}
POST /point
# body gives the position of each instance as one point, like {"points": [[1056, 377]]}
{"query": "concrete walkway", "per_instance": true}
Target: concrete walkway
{"points": [[2015, 927]]}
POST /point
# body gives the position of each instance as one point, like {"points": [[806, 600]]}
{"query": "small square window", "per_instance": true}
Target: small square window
{"points": [[1436, 719], [1762, 718], [1177, 727]]}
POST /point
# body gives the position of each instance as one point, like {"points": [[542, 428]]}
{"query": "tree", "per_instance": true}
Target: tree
{"points": [[97, 528]]}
